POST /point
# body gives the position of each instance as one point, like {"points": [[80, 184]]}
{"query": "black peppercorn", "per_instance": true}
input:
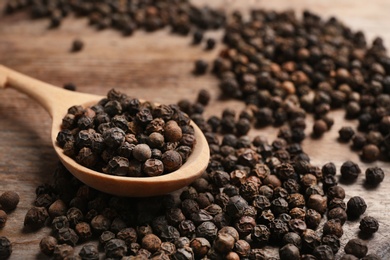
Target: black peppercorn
{"points": [[323, 252], [115, 248], [3, 218], [77, 45], [47, 245], [63, 251], [356, 206], [89, 251], [5, 247], [356, 247], [374, 176], [289, 251], [349, 170], [200, 67], [368, 225], [346, 133], [200, 246], [9, 200], [36, 217]]}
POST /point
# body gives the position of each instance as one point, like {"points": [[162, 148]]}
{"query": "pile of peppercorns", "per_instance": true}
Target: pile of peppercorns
{"points": [[253, 194], [282, 67], [124, 137], [128, 16]]}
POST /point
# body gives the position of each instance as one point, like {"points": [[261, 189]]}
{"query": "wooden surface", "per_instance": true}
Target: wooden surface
{"points": [[153, 66]]}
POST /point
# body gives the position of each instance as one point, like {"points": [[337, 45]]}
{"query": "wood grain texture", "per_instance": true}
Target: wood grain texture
{"points": [[157, 67]]}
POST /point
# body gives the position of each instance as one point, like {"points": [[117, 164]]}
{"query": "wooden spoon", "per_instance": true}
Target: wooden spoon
{"points": [[56, 101]]}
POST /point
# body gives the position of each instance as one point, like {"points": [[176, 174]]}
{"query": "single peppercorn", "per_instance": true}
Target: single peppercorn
{"points": [[370, 152], [62, 251], [289, 251], [9, 200], [3, 218], [200, 67], [346, 133], [171, 160], [374, 176], [323, 252], [356, 247], [356, 206], [319, 128], [368, 225], [89, 251], [5, 247], [47, 245], [77, 45], [36, 217], [350, 171], [210, 43]]}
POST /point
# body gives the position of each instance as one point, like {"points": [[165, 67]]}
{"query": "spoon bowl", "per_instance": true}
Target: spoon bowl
{"points": [[57, 100]]}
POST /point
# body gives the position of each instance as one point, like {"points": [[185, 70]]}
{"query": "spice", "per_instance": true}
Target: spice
{"points": [[200, 67], [356, 206], [289, 251], [89, 251], [374, 176], [36, 217], [3, 218], [349, 170], [77, 45], [9, 200], [346, 133], [5, 247], [124, 134], [47, 245], [368, 225], [356, 247], [62, 251]]}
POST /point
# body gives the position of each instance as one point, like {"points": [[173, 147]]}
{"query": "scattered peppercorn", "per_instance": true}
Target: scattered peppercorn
{"points": [[369, 225], [9, 200], [3, 218], [77, 45], [356, 247], [356, 206], [5, 247], [350, 170], [374, 176]]}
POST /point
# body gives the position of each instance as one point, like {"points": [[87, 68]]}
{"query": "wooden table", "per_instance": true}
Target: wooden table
{"points": [[155, 66]]}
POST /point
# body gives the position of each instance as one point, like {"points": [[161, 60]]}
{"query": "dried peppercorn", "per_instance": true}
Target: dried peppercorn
{"points": [[346, 133], [83, 230], [5, 247], [9, 200], [67, 236], [370, 152], [62, 251], [36, 217], [200, 246], [89, 251], [200, 67], [356, 247], [289, 251], [47, 245], [350, 170], [115, 248], [356, 206], [368, 225], [3, 218], [57, 208], [323, 252], [374, 175], [77, 45]]}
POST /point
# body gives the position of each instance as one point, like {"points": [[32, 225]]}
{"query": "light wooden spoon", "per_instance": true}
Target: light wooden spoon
{"points": [[56, 101]]}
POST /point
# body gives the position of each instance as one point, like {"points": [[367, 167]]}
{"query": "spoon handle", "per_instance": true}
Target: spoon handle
{"points": [[53, 99]]}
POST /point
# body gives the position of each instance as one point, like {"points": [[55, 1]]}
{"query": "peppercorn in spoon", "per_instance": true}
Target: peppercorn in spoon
{"points": [[56, 102]]}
